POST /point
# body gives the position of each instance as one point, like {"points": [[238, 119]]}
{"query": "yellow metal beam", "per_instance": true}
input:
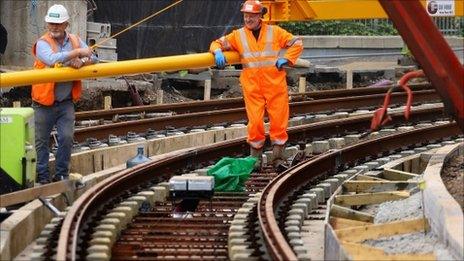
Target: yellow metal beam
{"points": [[64, 74], [304, 10]]}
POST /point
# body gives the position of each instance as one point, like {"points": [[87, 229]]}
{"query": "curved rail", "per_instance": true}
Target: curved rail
{"points": [[291, 180], [95, 197]]}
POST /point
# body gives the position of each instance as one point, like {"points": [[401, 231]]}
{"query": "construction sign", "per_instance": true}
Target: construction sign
{"points": [[440, 7]]}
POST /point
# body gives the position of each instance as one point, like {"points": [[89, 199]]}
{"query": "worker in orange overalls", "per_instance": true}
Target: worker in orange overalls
{"points": [[264, 50]]}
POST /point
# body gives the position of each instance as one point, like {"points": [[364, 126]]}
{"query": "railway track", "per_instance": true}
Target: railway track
{"points": [[309, 182], [146, 226], [161, 126], [150, 111]]}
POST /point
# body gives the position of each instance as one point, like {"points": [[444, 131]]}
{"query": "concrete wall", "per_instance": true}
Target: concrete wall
{"points": [[25, 24], [365, 42], [333, 47]]}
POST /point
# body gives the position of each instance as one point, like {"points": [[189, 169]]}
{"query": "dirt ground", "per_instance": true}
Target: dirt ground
{"points": [[453, 177]]}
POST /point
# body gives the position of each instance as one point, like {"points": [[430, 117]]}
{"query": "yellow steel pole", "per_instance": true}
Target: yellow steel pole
{"points": [[64, 74]]}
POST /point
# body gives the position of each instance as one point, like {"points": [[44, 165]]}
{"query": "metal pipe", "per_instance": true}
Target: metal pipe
{"points": [[159, 64]]}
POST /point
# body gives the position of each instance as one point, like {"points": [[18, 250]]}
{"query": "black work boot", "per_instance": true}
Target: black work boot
{"points": [[278, 162], [57, 178], [257, 153], [43, 179]]}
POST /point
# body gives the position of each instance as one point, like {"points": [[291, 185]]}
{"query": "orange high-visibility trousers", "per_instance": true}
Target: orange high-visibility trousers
{"points": [[264, 86], [265, 89]]}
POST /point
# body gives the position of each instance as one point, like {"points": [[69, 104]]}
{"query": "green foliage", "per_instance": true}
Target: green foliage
{"points": [[461, 25], [337, 27]]}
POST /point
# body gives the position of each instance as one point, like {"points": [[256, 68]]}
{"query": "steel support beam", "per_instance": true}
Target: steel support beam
{"points": [[431, 51]]}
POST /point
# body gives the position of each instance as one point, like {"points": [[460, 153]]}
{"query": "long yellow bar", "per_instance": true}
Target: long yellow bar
{"points": [[64, 74]]}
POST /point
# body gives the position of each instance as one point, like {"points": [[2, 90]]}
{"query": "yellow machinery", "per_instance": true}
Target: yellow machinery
{"points": [[17, 153], [304, 10]]}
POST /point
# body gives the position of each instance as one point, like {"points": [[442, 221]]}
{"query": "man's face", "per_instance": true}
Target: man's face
{"points": [[252, 21], [57, 30]]}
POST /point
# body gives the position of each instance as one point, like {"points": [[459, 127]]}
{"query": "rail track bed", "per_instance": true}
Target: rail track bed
{"points": [[138, 198], [109, 133], [131, 215]]}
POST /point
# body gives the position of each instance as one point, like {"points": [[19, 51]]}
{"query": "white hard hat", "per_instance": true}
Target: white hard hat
{"points": [[57, 14]]}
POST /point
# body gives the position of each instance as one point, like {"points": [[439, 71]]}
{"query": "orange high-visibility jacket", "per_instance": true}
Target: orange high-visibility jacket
{"points": [[264, 86], [44, 93]]}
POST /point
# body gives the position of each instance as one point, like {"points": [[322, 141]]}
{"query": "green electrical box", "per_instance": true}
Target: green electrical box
{"points": [[17, 149]]}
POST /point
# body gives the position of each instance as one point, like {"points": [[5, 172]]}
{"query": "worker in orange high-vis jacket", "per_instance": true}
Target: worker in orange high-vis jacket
{"points": [[264, 49], [53, 103]]}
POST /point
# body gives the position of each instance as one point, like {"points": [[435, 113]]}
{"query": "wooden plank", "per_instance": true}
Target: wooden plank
{"points": [[365, 252], [107, 103], [207, 91], [364, 177], [407, 166], [373, 185], [343, 212], [340, 223], [349, 79], [393, 174], [84, 169], [302, 85], [99, 160], [29, 194], [370, 198], [374, 231], [357, 250], [159, 96], [415, 166]]}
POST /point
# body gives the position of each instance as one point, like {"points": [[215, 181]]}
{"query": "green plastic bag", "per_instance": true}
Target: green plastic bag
{"points": [[230, 174]]}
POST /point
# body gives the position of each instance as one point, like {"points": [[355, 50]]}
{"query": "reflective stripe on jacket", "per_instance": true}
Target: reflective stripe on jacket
{"points": [[44, 93], [264, 86]]}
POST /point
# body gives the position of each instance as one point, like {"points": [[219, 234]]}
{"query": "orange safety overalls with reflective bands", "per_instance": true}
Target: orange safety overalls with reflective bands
{"points": [[44, 93], [264, 86]]}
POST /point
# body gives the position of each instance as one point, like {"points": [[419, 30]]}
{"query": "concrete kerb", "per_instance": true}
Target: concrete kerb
{"points": [[109, 157], [332, 246], [442, 210]]}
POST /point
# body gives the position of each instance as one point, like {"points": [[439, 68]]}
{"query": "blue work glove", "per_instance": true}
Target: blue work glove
{"points": [[280, 63], [220, 59]]}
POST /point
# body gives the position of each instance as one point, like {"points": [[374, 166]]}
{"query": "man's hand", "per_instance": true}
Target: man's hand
{"points": [[85, 52], [280, 63], [220, 59], [76, 63]]}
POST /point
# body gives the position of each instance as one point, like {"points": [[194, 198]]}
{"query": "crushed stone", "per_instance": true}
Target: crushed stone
{"points": [[413, 243], [410, 208]]}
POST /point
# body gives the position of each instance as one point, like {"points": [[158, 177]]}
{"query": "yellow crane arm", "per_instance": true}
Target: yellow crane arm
{"points": [[303, 10]]}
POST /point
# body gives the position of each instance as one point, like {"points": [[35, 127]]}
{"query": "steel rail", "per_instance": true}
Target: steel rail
{"points": [[199, 106], [174, 163], [210, 118], [288, 182]]}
